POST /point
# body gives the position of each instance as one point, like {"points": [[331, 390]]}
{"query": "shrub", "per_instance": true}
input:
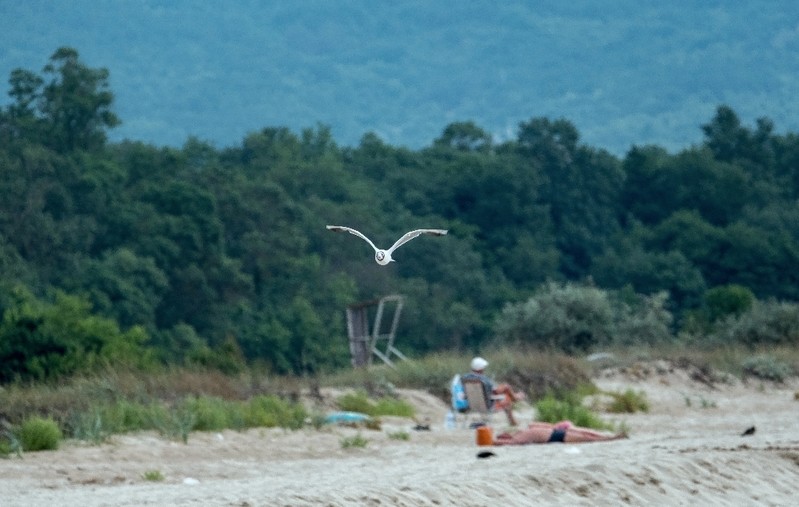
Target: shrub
{"points": [[641, 319], [359, 402], [122, 416], [39, 434], [89, 426], [49, 340], [561, 316], [355, 402], [628, 402], [271, 411], [550, 409], [209, 413], [574, 318], [175, 423], [393, 406], [767, 367], [429, 372], [727, 300], [545, 374], [771, 323], [227, 358]]}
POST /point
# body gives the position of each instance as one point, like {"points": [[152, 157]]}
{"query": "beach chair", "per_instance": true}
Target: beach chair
{"points": [[480, 399]]}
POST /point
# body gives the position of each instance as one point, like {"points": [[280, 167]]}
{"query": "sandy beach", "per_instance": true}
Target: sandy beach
{"points": [[687, 450]]}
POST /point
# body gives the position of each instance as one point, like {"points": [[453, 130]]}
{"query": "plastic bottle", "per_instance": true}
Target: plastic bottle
{"points": [[449, 422]]}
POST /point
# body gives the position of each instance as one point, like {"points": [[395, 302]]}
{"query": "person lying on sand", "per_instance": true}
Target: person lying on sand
{"points": [[564, 431]]}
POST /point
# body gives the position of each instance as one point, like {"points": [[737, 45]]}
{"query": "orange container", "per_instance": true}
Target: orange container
{"points": [[485, 436]]}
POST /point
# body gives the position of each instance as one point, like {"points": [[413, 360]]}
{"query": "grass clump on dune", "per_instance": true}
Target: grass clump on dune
{"points": [[359, 401], [551, 409], [628, 402], [39, 434]]}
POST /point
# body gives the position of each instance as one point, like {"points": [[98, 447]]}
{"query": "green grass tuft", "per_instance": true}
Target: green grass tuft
{"points": [[359, 401], [153, 476], [9, 444], [39, 434], [628, 402], [356, 441], [271, 411], [209, 413], [399, 435], [551, 409]]}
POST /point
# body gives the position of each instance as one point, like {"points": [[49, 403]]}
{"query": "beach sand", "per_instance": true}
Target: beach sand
{"points": [[688, 449]]}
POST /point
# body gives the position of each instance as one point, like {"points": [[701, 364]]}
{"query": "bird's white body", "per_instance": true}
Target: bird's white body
{"points": [[383, 257]]}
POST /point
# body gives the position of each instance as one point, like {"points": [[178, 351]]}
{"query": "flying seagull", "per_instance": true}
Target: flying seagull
{"points": [[383, 257]]}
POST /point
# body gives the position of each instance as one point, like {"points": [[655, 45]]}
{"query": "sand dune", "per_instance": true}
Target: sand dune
{"points": [[688, 449]]}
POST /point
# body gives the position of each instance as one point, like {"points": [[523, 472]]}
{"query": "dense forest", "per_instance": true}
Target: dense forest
{"points": [[130, 251]]}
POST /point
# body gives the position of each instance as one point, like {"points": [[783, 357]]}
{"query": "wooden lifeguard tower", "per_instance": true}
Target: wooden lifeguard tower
{"points": [[365, 343]]}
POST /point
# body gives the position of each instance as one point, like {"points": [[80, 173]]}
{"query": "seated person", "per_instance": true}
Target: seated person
{"points": [[509, 396], [544, 433]]}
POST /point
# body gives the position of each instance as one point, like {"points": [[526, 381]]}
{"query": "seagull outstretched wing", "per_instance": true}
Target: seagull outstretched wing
{"points": [[415, 234], [341, 228]]}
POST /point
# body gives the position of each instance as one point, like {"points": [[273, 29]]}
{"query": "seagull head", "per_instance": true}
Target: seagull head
{"points": [[382, 257]]}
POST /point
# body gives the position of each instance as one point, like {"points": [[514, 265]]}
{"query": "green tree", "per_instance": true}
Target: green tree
{"points": [[726, 138], [642, 197], [125, 287], [650, 272], [68, 108], [464, 136], [19, 121], [581, 188], [729, 141], [658, 186], [686, 232], [787, 160], [310, 350], [75, 103], [42, 340], [757, 259]]}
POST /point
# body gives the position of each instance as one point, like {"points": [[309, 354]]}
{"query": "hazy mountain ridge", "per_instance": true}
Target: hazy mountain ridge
{"points": [[624, 74]]}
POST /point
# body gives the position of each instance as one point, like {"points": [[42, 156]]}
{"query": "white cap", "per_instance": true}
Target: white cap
{"points": [[479, 364]]}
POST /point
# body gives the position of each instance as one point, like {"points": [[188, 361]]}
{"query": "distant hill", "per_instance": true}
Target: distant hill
{"points": [[624, 73]]}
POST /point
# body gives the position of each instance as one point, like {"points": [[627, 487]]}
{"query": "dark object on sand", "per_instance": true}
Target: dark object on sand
{"points": [[749, 431], [485, 454], [422, 427]]}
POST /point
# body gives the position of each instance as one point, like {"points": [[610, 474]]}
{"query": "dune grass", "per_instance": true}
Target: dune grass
{"points": [[358, 401], [551, 409], [173, 402], [775, 363], [177, 401], [153, 476], [357, 441], [39, 434], [535, 373]]}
